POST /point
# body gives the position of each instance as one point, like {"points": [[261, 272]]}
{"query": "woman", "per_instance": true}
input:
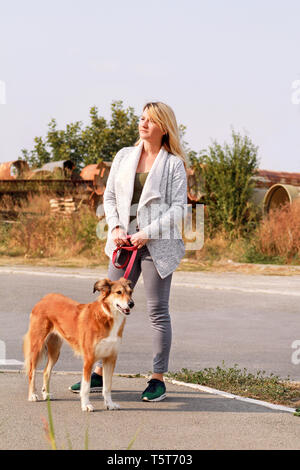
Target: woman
{"points": [[149, 181]]}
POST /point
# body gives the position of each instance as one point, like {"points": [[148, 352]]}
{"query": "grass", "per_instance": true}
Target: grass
{"points": [[49, 427], [50, 433], [39, 237], [279, 233], [253, 255], [37, 233], [270, 388]]}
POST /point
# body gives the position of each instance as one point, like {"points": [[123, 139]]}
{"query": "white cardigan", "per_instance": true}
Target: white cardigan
{"points": [[161, 206]]}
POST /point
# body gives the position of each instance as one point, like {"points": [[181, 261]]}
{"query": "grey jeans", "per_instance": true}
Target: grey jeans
{"points": [[157, 292]]}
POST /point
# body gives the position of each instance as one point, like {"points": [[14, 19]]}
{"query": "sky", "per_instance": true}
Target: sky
{"points": [[220, 64]]}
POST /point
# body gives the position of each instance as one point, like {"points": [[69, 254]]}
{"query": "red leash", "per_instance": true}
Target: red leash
{"points": [[130, 257]]}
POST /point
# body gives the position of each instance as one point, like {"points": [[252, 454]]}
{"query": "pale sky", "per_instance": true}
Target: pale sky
{"points": [[220, 64]]}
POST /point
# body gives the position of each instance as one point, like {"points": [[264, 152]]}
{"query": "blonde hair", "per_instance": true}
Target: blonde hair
{"points": [[163, 115]]}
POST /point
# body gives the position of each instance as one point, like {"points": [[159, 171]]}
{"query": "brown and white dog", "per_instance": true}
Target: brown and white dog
{"points": [[93, 330]]}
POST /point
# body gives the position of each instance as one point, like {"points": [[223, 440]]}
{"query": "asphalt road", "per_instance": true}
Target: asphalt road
{"points": [[188, 419], [241, 319]]}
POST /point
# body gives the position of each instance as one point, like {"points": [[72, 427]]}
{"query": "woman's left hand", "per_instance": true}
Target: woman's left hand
{"points": [[139, 239]]}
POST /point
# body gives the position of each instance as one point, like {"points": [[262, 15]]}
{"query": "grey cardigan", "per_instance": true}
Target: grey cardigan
{"points": [[161, 206]]}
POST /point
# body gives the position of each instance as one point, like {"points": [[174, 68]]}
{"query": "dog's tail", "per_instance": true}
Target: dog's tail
{"points": [[32, 349], [26, 352]]}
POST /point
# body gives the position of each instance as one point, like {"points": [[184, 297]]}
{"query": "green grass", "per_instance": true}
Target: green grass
{"points": [[270, 388], [251, 255], [50, 433]]}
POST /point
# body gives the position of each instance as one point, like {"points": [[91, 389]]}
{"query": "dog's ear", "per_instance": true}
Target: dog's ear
{"points": [[103, 286], [126, 281]]}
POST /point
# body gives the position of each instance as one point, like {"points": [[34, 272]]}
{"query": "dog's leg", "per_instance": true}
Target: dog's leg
{"points": [[54, 343], [32, 396], [85, 386], [32, 352], [108, 370]]}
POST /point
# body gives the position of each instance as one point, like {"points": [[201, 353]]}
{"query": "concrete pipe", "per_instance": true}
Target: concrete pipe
{"points": [[280, 194]]}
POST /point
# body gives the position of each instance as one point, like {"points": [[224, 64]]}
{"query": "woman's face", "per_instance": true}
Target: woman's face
{"points": [[149, 130]]}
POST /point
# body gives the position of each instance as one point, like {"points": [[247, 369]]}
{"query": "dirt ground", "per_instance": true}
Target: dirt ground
{"points": [[186, 265]]}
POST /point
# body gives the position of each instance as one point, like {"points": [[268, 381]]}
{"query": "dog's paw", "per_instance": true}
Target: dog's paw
{"points": [[87, 407], [111, 406], [47, 395], [33, 397]]}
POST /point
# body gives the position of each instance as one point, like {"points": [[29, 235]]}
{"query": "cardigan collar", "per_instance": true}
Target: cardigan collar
{"points": [[151, 189]]}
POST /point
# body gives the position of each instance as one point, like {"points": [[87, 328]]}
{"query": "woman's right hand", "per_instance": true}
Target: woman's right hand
{"points": [[119, 236]]}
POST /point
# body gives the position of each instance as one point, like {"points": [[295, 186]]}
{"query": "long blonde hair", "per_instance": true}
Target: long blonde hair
{"points": [[163, 115]]}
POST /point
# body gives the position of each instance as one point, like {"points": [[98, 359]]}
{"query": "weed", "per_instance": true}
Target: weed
{"points": [[279, 233], [50, 434], [241, 382], [49, 428]]}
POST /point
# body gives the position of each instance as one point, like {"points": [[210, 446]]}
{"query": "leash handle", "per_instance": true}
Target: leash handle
{"points": [[130, 257]]}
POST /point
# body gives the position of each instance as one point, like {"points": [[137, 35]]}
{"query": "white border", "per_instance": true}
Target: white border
{"points": [[202, 388]]}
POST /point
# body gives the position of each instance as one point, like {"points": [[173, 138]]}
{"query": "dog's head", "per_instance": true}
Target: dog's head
{"points": [[117, 293]]}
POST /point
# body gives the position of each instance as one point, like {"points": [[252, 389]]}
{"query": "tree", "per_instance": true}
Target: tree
{"points": [[98, 141], [228, 184], [190, 154]]}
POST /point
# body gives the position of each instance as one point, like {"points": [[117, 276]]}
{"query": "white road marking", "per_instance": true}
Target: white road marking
{"points": [[201, 285]]}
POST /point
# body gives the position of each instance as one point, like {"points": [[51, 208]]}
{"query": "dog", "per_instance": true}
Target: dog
{"points": [[93, 330]]}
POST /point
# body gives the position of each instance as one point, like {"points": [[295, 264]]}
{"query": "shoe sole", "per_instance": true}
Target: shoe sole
{"points": [[92, 390], [162, 397]]}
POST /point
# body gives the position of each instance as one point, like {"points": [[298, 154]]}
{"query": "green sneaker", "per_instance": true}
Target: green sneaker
{"points": [[156, 391], [96, 384]]}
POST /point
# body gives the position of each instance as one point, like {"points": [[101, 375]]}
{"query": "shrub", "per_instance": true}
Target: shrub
{"points": [[279, 233], [228, 185]]}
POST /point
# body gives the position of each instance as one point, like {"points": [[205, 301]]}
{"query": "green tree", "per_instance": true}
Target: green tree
{"points": [[97, 141], [65, 144], [228, 185], [39, 155], [190, 154]]}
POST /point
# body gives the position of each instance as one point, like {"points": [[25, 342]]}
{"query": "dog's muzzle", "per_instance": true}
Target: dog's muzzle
{"points": [[126, 311]]}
